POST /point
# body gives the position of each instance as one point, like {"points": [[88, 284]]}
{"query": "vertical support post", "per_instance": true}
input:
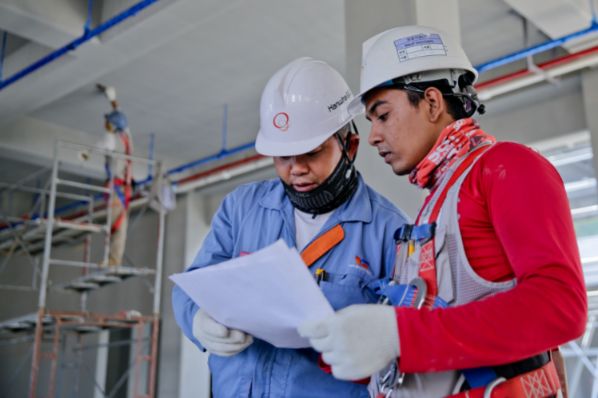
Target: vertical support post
{"points": [[87, 251], [37, 348], [157, 297], [44, 277], [154, 356], [112, 170], [54, 355], [61, 365], [76, 366], [49, 229], [101, 364], [159, 258], [138, 358]]}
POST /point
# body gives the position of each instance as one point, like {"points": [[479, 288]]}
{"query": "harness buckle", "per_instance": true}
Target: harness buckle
{"points": [[430, 233], [403, 234], [422, 233]]}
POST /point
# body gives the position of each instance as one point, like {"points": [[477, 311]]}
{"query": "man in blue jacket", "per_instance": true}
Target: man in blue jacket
{"points": [[320, 205]]}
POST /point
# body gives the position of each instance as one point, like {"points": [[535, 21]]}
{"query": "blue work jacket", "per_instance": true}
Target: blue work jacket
{"points": [[257, 215]]}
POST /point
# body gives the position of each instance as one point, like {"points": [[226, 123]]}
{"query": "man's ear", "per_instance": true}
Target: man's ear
{"points": [[434, 104], [353, 144]]}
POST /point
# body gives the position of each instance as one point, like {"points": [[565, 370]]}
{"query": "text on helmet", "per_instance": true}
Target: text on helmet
{"points": [[341, 101]]}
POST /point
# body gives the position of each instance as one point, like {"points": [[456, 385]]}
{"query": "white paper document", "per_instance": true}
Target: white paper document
{"points": [[266, 294]]}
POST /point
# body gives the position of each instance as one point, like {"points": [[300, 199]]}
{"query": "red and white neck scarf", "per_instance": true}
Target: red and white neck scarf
{"points": [[455, 141]]}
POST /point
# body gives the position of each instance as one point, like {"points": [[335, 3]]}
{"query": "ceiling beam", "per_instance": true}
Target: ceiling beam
{"points": [[50, 23], [558, 18], [94, 60]]}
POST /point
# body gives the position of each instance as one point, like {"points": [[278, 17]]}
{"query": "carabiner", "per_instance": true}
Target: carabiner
{"points": [[492, 385]]}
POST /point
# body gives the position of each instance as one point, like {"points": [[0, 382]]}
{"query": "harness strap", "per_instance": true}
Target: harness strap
{"points": [[540, 383], [125, 197], [119, 221], [479, 377], [456, 175], [322, 245], [427, 265]]}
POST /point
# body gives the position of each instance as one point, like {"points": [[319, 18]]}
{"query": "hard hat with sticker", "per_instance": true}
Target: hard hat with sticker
{"points": [[414, 54]]}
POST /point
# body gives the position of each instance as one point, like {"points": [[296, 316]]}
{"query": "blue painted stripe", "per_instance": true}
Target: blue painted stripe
{"points": [[223, 154]]}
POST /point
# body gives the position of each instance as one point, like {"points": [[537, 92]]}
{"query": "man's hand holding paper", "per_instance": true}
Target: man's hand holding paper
{"points": [[217, 338]]}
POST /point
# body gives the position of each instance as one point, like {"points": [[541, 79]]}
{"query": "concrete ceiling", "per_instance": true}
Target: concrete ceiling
{"points": [[177, 68], [178, 90]]}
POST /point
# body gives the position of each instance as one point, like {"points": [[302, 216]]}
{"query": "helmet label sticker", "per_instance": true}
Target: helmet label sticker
{"points": [[419, 46]]}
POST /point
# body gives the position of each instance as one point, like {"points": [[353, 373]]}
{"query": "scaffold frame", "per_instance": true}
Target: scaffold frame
{"points": [[25, 234]]}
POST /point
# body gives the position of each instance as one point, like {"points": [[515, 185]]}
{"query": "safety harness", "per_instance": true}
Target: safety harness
{"points": [[422, 291], [127, 182]]}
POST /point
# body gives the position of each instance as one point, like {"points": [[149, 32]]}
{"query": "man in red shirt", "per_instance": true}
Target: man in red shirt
{"points": [[488, 281]]}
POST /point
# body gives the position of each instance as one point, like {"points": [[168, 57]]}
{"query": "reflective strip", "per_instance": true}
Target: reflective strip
{"points": [[322, 245]]}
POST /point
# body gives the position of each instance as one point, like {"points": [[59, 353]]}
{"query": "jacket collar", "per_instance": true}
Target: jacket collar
{"points": [[357, 208]]}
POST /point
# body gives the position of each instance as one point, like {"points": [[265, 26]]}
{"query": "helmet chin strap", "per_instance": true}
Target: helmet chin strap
{"points": [[337, 189], [347, 147]]}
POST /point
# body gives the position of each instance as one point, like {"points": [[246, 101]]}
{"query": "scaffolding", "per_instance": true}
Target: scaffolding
{"points": [[42, 229], [584, 353]]}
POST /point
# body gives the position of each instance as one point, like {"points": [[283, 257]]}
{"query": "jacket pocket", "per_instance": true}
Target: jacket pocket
{"points": [[343, 290]]}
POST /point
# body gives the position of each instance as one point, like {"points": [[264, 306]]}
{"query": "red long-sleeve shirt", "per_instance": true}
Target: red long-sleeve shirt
{"points": [[515, 222]]}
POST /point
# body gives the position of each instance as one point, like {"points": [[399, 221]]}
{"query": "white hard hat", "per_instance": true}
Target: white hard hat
{"points": [[410, 52], [302, 105]]}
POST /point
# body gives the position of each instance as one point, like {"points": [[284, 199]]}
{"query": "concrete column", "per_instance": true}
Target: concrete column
{"points": [[169, 354], [194, 371], [362, 21], [589, 83]]}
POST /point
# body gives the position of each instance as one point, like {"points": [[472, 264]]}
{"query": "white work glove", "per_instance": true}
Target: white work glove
{"points": [[110, 93], [357, 341], [83, 155], [218, 339]]}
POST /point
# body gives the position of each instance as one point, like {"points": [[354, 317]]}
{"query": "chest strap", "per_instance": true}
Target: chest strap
{"points": [[540, 383], [322, 245]]}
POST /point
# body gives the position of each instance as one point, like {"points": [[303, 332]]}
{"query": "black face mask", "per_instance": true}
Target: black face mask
{"points": [[334, 191]]}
